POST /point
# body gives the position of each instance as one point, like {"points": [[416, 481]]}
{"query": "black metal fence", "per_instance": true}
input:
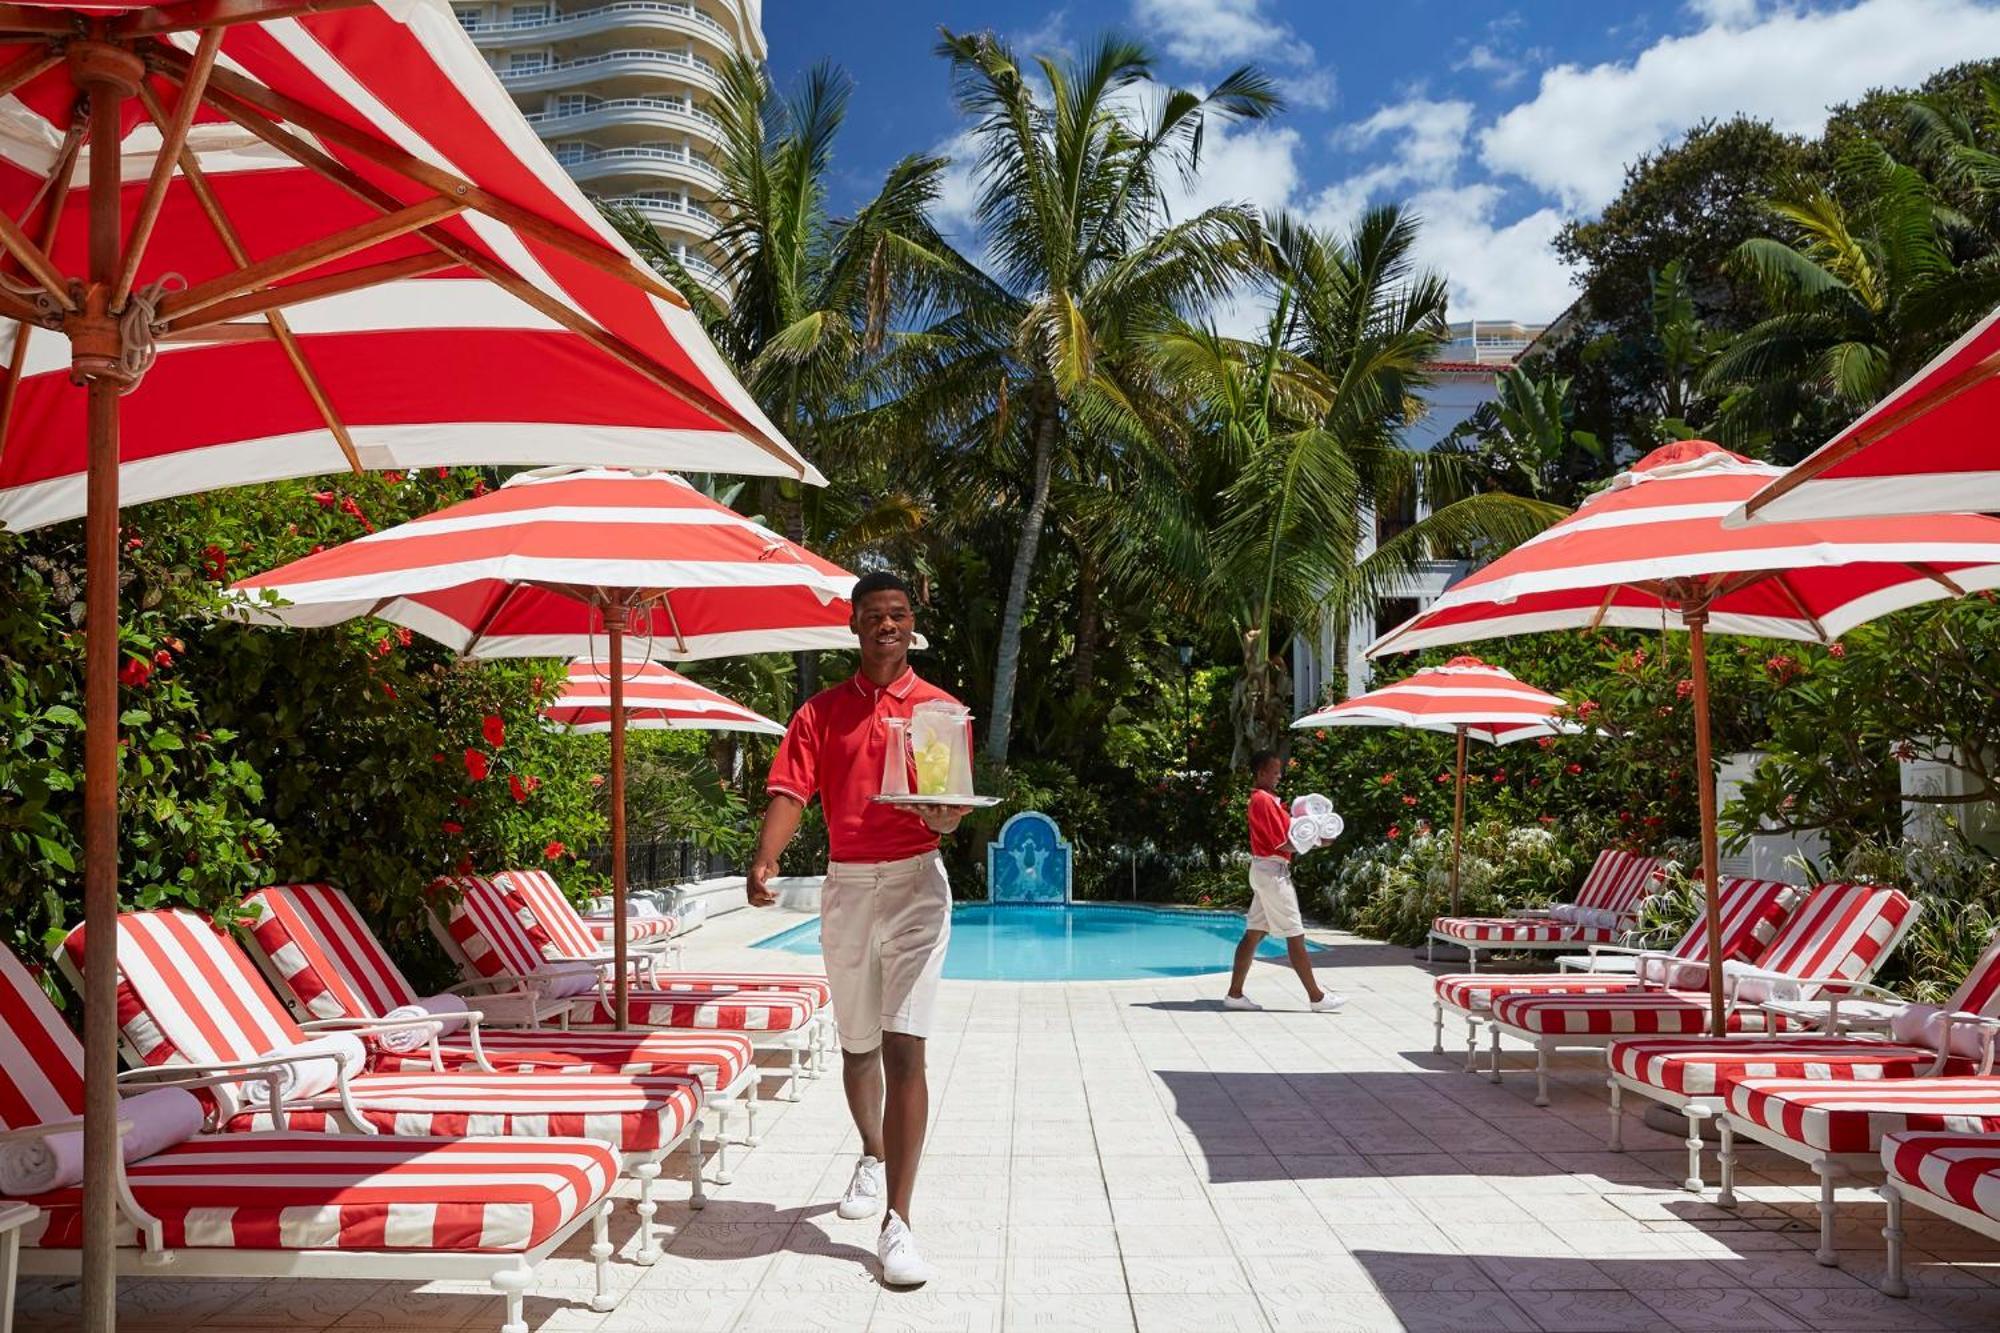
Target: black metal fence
{"points": [[655, 863]]}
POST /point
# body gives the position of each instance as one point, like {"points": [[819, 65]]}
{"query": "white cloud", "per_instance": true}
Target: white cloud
{"points": [[1503, 71], [1430, 138], [1241, 164], [958, 188], [1050, 37], [1216, 32], [1724, 13], [1574, 137]]}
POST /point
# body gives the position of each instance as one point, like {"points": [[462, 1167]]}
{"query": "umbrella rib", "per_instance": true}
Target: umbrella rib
{"points": [[673, 622], [64, 165], [232, 243], [272, 299], [1938, 576], [36, 261], [1798, 605], [492, 614], [215, 15], [598, 255], [35, 63], [247, 115], [1604, 607], [325, 250], [173, 137]]}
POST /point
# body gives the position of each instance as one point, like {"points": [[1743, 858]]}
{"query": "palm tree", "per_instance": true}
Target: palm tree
{"points": [[813, 295], [1032, 378], [1864, 292], [1295, 443]]}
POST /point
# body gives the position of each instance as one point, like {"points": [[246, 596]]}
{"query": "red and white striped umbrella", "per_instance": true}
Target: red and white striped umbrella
{"points": [[1653, 551], [560, 561], [1465, 697], [656, 699], [530, 569], [1485, 702], [1930, 447]]}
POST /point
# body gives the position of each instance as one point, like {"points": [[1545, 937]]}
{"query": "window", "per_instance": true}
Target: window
{"points": [[528, 14], [523, 62], [1393, 611], [469, 16], [574, 104]]}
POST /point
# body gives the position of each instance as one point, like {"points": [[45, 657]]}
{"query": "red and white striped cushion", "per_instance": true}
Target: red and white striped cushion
{"points": [[552, 910], [1963, 1169], [1853, 1117], [486, 927], [743, 1011], [1750, 908], [1842, 930], [1701, 1067], [1520, 930], [41, 1062], [1979, 993], [1651, 1013], [326, 955], [717, 1059], [816, 989], [633, 1114], [638, 929], [1475, 990], [319, 1192], [1618, 882]]}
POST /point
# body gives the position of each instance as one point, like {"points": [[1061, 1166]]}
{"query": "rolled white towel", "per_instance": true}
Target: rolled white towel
{"points": [[1330, 826], [1754, 985], [309, 1078], [558, 981], [1303, 833], [161, 1117], [1313, 804], [402, 1041]]}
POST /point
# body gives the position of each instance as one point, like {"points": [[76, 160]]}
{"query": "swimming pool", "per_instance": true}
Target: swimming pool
{"points": [[1080, 942]]}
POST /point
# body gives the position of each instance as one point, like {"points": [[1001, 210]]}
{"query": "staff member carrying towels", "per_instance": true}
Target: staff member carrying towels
{"points": [[1274, 903], [885, 910]]}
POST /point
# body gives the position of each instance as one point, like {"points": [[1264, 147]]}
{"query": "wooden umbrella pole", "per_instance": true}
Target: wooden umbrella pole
{"points": [[1697, 626], [108, 75], [1458, 821], [614, 633]]}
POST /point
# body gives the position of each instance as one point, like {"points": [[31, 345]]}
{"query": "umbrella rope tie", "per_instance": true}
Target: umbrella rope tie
{"points": [[136, 326]]}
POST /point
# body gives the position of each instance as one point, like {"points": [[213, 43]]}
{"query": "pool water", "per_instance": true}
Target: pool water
{"points": [[1084, 942]]}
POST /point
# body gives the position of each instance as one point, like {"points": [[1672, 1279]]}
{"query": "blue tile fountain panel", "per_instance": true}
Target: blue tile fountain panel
{"points": [[1029, 862]]}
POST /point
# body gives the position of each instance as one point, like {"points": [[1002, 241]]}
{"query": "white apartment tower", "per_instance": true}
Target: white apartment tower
{"points": [[619, 90]]}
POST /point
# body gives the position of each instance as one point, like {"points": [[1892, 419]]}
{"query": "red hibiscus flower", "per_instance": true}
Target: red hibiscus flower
{"points": [[464, 866], [135, 673], [494, 730], [163, 658], [475, 765], [1572, 769], [1585, 709], [520, 791], [1836, 650], [325, 499], [390, 690], [1395, 830], [404, 636], [393, 478], [452, 826], [214, 562], [1409, 800], [553, 851]]}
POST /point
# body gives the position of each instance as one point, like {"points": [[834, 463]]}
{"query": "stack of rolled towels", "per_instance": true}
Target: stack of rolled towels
{"points": [[311, 1068], [449, 1010], [1314, 824], [159, 1119]]}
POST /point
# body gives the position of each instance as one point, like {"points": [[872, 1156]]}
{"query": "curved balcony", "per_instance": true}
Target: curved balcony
{"points": [[624, 15], [611, 65], [664, 113], [664, 163], [673, 214]]}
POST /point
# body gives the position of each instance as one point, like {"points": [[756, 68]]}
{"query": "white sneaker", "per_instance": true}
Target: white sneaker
{"points": [[1240, 1002], [902, 1266], [1329, 1003], [865, 1191]]}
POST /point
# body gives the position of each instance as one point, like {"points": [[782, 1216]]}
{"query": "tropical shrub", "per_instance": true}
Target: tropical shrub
{"points": [[1393, 891]]}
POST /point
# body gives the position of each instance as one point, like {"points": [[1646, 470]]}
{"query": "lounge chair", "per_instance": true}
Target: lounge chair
{"points": [[1693, 1073], [189, 996], [1751, 911], [1605, 907], [1955, 1176], [491, 934], [271, 1205], [1840, 935], [328, 966]]}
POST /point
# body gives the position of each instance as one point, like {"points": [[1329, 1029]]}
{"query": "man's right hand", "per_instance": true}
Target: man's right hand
{"points": [[759, 889]]}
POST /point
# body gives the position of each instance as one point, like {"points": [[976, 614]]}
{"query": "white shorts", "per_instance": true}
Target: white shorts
{"points": [[1274, 903], [883, 928]]}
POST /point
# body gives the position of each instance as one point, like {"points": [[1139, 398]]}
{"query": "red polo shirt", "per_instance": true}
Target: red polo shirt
{"points": [[833, 749], [1270, 825]]}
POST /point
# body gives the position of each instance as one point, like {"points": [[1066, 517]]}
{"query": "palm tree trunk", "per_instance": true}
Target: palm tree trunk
{"points": [[1007, 658], [1086, 623]]}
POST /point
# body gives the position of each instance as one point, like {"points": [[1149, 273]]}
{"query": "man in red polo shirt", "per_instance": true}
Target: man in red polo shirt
{"points": [[885, 910], [1274, 903]]}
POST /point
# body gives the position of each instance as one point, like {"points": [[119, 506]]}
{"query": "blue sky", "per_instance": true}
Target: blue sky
{"points": [[1496, 123]]}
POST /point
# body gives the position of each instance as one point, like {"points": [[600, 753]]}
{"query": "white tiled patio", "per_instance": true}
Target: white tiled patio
{"points": [[1116, 1155]]}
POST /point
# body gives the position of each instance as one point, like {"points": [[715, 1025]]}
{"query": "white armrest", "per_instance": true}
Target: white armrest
{"points": [[368, 1026], [244, 1069]]}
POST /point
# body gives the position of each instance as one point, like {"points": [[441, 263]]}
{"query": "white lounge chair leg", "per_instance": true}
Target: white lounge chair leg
{"points": [[1493, 1070], [600, 1255], [750, 1114], [792, 1084], [1471, 959], [1725, 1171], [723, 1175], [1693, 1113], [697, 1191], [1617, 1142], [1826, 1171], [1437, 1027], [645, 1209], [1893, 1283], [1430, 950], [512, 1284], [10, 1267], [1471, 1044], [1542, 1072]]}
